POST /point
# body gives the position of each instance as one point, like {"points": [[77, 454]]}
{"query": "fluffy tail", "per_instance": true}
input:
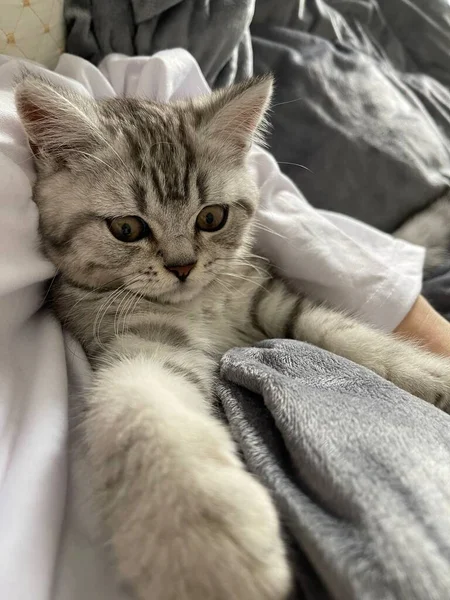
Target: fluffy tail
{"points": [[430, 228]]}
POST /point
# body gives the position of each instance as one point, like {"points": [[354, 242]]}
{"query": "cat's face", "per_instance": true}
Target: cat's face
{"points": [[156, 199]]}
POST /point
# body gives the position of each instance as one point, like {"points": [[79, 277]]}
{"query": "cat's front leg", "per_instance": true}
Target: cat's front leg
{"points": [[279, 313], [183, 518], [408, 366]]}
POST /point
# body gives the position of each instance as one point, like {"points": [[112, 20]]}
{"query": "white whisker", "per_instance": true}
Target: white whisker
{"points": [[287, 102], [283, 162], [258, 256], [258, 225], [89, 155], [243, 278]]}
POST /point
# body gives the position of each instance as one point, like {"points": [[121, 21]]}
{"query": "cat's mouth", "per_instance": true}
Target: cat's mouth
{"points": [[181, 292], [186, 289]]}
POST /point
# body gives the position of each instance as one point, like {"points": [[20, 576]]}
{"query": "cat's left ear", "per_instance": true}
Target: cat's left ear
{"points": [[235, 116], [59, 123]]}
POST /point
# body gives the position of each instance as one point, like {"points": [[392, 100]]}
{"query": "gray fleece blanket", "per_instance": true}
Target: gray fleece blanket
{"points": [[360, 471], [362, 97]]}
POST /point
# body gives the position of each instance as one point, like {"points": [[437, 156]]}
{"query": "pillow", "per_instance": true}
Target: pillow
{"points": [[32, 29]]}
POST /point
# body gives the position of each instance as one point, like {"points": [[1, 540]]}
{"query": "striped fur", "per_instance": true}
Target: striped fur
{"points": [[183, 518]]}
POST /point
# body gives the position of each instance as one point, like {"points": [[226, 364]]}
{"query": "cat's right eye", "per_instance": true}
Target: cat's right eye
{"points": [[212, 218], [128, 229]]}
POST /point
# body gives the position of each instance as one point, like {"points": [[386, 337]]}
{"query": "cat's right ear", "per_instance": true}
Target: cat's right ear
{"points": [[235, 116], [58, 122]]}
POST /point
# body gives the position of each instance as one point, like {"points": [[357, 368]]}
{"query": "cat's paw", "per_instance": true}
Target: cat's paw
{"points": [[181, 517], [424, 375], [234, 542], [210, 532], [432, 383]]}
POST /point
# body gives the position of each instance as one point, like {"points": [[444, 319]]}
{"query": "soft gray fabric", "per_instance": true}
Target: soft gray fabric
{"points": [[374, 138], [216, 33], [355, 101], [359, 469]]}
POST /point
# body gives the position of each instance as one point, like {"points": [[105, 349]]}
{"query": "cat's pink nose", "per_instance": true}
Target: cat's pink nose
{"points": [[181, 271]]}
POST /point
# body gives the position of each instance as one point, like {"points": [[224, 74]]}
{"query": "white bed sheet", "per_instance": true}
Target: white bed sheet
{"points": [[46, 548]]}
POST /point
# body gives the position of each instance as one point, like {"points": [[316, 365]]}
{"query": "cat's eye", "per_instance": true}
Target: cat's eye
{"points": [[128, 229], [212, 218]]}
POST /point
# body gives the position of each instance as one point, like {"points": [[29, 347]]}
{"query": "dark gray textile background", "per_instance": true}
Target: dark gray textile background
{"points": [[362, 96]]}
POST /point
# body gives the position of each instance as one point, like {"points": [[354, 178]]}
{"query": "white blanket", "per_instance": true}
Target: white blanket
{"points": [[45, 542]]}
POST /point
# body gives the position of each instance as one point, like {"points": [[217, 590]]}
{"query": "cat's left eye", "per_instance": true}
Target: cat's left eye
{"points": [[212, 218], [128, 229]]}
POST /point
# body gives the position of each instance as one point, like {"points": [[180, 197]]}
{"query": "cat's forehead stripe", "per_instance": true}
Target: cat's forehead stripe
{"points": [[202, 187], [162, 150], [139, 195], [156, 180]]}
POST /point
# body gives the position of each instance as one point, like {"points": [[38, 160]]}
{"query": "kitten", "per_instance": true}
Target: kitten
{"points": [[147, 211]]}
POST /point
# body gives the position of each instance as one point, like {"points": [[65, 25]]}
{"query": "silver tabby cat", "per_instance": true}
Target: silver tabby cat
{"points": [[147, 211]]}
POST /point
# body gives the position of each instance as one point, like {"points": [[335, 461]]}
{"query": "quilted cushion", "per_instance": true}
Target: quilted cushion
{"points": [[32, 29]]}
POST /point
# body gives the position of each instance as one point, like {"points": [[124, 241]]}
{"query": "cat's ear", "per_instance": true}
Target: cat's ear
{"points": [[58, 122], [235, 116]]}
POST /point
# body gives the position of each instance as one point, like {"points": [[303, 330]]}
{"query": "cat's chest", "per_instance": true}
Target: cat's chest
{"points": [[223, 323]]}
